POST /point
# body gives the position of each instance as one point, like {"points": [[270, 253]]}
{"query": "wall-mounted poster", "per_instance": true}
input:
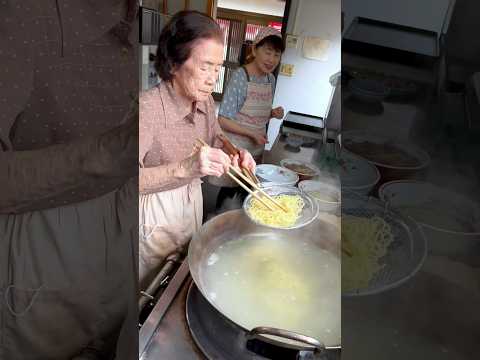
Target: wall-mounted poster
{"points": [[316, 48]]}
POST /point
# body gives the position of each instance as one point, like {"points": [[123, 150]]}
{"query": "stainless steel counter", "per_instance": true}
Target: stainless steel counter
{"points": [[307, 154], [278, 153]]}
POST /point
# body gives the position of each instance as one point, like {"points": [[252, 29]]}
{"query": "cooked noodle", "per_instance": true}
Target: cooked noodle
{"points": [[277, 218], [368, 240]]}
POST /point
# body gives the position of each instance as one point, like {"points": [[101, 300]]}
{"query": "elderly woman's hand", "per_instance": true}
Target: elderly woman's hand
{"points": [[206, 161], [245, 159]]}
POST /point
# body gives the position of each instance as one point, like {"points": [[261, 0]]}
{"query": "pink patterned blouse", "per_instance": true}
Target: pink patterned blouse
{"points": [[167, 135]]}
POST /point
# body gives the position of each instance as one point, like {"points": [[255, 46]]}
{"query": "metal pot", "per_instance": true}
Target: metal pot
{"points": [[234, 224]]}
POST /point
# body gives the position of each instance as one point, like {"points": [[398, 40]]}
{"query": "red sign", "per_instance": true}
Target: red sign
{"points": [[276, 25]]}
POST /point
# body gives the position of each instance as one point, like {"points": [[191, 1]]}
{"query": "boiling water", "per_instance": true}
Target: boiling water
{"points": [[263, 280]]}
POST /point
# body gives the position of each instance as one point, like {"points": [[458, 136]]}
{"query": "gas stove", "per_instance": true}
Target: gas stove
{"points": [[165, 334], [184, 326]]}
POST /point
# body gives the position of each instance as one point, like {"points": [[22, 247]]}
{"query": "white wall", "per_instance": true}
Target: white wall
{"points": [[308, 91], [269, 7]]}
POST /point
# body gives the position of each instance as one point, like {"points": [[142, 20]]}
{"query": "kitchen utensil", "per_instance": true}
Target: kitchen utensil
{"points": [[405, 255], [307, 214]]}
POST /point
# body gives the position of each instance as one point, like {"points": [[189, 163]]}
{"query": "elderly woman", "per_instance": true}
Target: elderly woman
{"points": [[68, 155], [172, 116]]}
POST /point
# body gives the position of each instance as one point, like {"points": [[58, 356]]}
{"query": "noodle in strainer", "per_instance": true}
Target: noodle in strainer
{"points": [[301, 208]]}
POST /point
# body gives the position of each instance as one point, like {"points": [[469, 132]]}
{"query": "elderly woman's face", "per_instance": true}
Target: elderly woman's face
{"points": [[196, 78]]}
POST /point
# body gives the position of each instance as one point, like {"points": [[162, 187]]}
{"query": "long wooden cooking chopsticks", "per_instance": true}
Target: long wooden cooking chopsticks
{"points": [[254, 194], [232, 150], [251, 183], [256, 187]]}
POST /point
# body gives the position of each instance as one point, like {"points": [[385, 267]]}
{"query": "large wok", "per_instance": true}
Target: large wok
{"points": [[234, 224]]}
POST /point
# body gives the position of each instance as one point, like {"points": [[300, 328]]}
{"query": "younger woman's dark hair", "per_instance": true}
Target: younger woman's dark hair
{"points": [[274, 41], [177, 37]]}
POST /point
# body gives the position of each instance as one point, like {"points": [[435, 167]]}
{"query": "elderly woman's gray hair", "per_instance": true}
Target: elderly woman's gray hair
{"points": [[177, 38]]}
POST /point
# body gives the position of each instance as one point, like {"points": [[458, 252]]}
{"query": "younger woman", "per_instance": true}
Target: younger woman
{"points": [[246, 107]]}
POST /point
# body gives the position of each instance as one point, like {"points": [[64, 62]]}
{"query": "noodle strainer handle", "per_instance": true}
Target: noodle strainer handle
{"points": [[265, 330]]}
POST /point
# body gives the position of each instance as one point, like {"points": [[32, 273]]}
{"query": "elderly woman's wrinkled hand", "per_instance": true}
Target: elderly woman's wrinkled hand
{"points": [[244, 159], [207, 161]]}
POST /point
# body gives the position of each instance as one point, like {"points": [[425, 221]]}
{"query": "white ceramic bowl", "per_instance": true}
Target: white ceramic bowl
{"points": [[358, 174], [443, 239], [273, 175], [328, 196], [367, 90]]}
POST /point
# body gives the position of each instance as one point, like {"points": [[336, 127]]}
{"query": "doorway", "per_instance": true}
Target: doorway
{"points": [[240, 22]]}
